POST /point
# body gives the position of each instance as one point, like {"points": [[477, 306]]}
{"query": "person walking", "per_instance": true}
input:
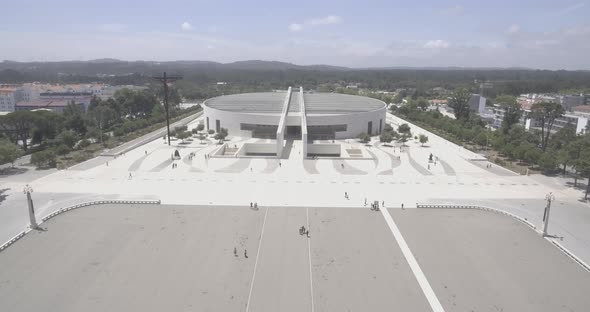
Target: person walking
{"points": [[130, 176], [246, 253], [235, 252], [402, 205]]}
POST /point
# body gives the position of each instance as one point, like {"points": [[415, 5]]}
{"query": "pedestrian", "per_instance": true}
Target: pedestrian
{"points": [[235, 252], [245, 253], [130, 176], [146, 152], [402, 205], [365, 202], [255, 205], [307, 233], [107, 163], [250, 169], [280, 164], [346, 195], [251, 204], [383, 203], [428, 166]]}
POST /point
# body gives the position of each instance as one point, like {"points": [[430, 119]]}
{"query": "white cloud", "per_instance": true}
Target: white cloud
{"points": [[327, 20], [513, 29], [570, 8], [456, 10], [295, 27], [437, 44], [186, 26]]}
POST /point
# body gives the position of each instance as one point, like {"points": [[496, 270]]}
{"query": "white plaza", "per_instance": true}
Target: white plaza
{"points": [[328, 195]]}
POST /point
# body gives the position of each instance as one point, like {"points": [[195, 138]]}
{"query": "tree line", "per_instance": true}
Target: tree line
{"points": [[544, 148], [52, 134]]}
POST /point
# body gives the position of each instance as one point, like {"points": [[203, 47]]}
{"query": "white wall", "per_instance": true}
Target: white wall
{"points": [[356, 122], [265, 148], [325, 149]]}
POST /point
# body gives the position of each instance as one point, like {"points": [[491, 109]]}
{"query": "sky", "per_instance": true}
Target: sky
{"points": [[518, 33]]}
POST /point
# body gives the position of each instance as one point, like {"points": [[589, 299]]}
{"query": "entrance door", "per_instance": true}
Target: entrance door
{"points": [[370, 128]]}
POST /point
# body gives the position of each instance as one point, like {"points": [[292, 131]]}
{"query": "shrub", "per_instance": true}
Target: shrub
{"points": [[84, 143], [211, 131], [44, 159], [62, 149], [200, 127]]}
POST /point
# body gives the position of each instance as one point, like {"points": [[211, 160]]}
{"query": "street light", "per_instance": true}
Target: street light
{"points": [[28, 190], [549, 198]]}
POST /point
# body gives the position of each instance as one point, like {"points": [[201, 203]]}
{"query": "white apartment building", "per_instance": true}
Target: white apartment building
{"points": [[8, 98]]}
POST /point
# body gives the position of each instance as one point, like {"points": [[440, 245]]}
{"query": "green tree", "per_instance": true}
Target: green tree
{"points": [[512, 112], [68, 137], [386, 137], [183, 135], [18, 126], [548, 162], [364, 137], [404, 129], [459, 102], [200, 127], [44, 159], [74, 119], [9, 152], [545, 114], [221, 135], [423, 139], [62, 149]]}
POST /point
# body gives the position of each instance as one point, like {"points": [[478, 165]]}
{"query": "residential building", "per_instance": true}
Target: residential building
{"points": [[56, 105], [9, 95], [477, 103], [568, 102]]}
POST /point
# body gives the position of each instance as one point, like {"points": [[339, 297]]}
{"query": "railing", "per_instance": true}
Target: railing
{"points": [[86, 204], [523, 220]]}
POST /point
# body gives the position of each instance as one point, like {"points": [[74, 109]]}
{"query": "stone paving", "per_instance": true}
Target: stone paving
{"points": [[391, 176]]}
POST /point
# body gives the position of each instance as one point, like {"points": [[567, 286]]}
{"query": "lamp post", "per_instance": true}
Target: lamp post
{"points": [[549, 198], [28, 190]]}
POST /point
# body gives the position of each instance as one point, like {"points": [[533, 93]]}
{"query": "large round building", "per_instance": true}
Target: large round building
{"points": [[295, 114]]}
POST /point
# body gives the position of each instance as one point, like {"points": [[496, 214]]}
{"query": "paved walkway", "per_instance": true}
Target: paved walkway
{"points": [[309, 183]]}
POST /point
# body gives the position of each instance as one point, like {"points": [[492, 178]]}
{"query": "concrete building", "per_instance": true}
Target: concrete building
{"points": [[477, 103], [295, 115], [579, 122], [9, 96], [56, 105], [568, 102]]}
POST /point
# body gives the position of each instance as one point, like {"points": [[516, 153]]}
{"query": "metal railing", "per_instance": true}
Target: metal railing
{"points": [[523, 220], [62, 210]]}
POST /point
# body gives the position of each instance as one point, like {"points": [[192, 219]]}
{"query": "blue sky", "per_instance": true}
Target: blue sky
{"points": [[527, 33]]}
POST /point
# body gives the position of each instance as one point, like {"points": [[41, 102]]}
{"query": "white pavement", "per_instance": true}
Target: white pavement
{"points": [[319, 183]]}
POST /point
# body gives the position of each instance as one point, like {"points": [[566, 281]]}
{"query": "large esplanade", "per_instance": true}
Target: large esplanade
{"points": [[295, 114]]}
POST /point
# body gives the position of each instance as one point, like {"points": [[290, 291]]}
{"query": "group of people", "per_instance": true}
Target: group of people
{"points": [[489, 166], [303, 231], [191, 156], [174, 165], [254, 205]]}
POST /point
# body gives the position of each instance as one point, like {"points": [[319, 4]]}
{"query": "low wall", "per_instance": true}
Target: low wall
{"points": [[220, 151], [323, 149], [257, 149], [66, 209]]}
